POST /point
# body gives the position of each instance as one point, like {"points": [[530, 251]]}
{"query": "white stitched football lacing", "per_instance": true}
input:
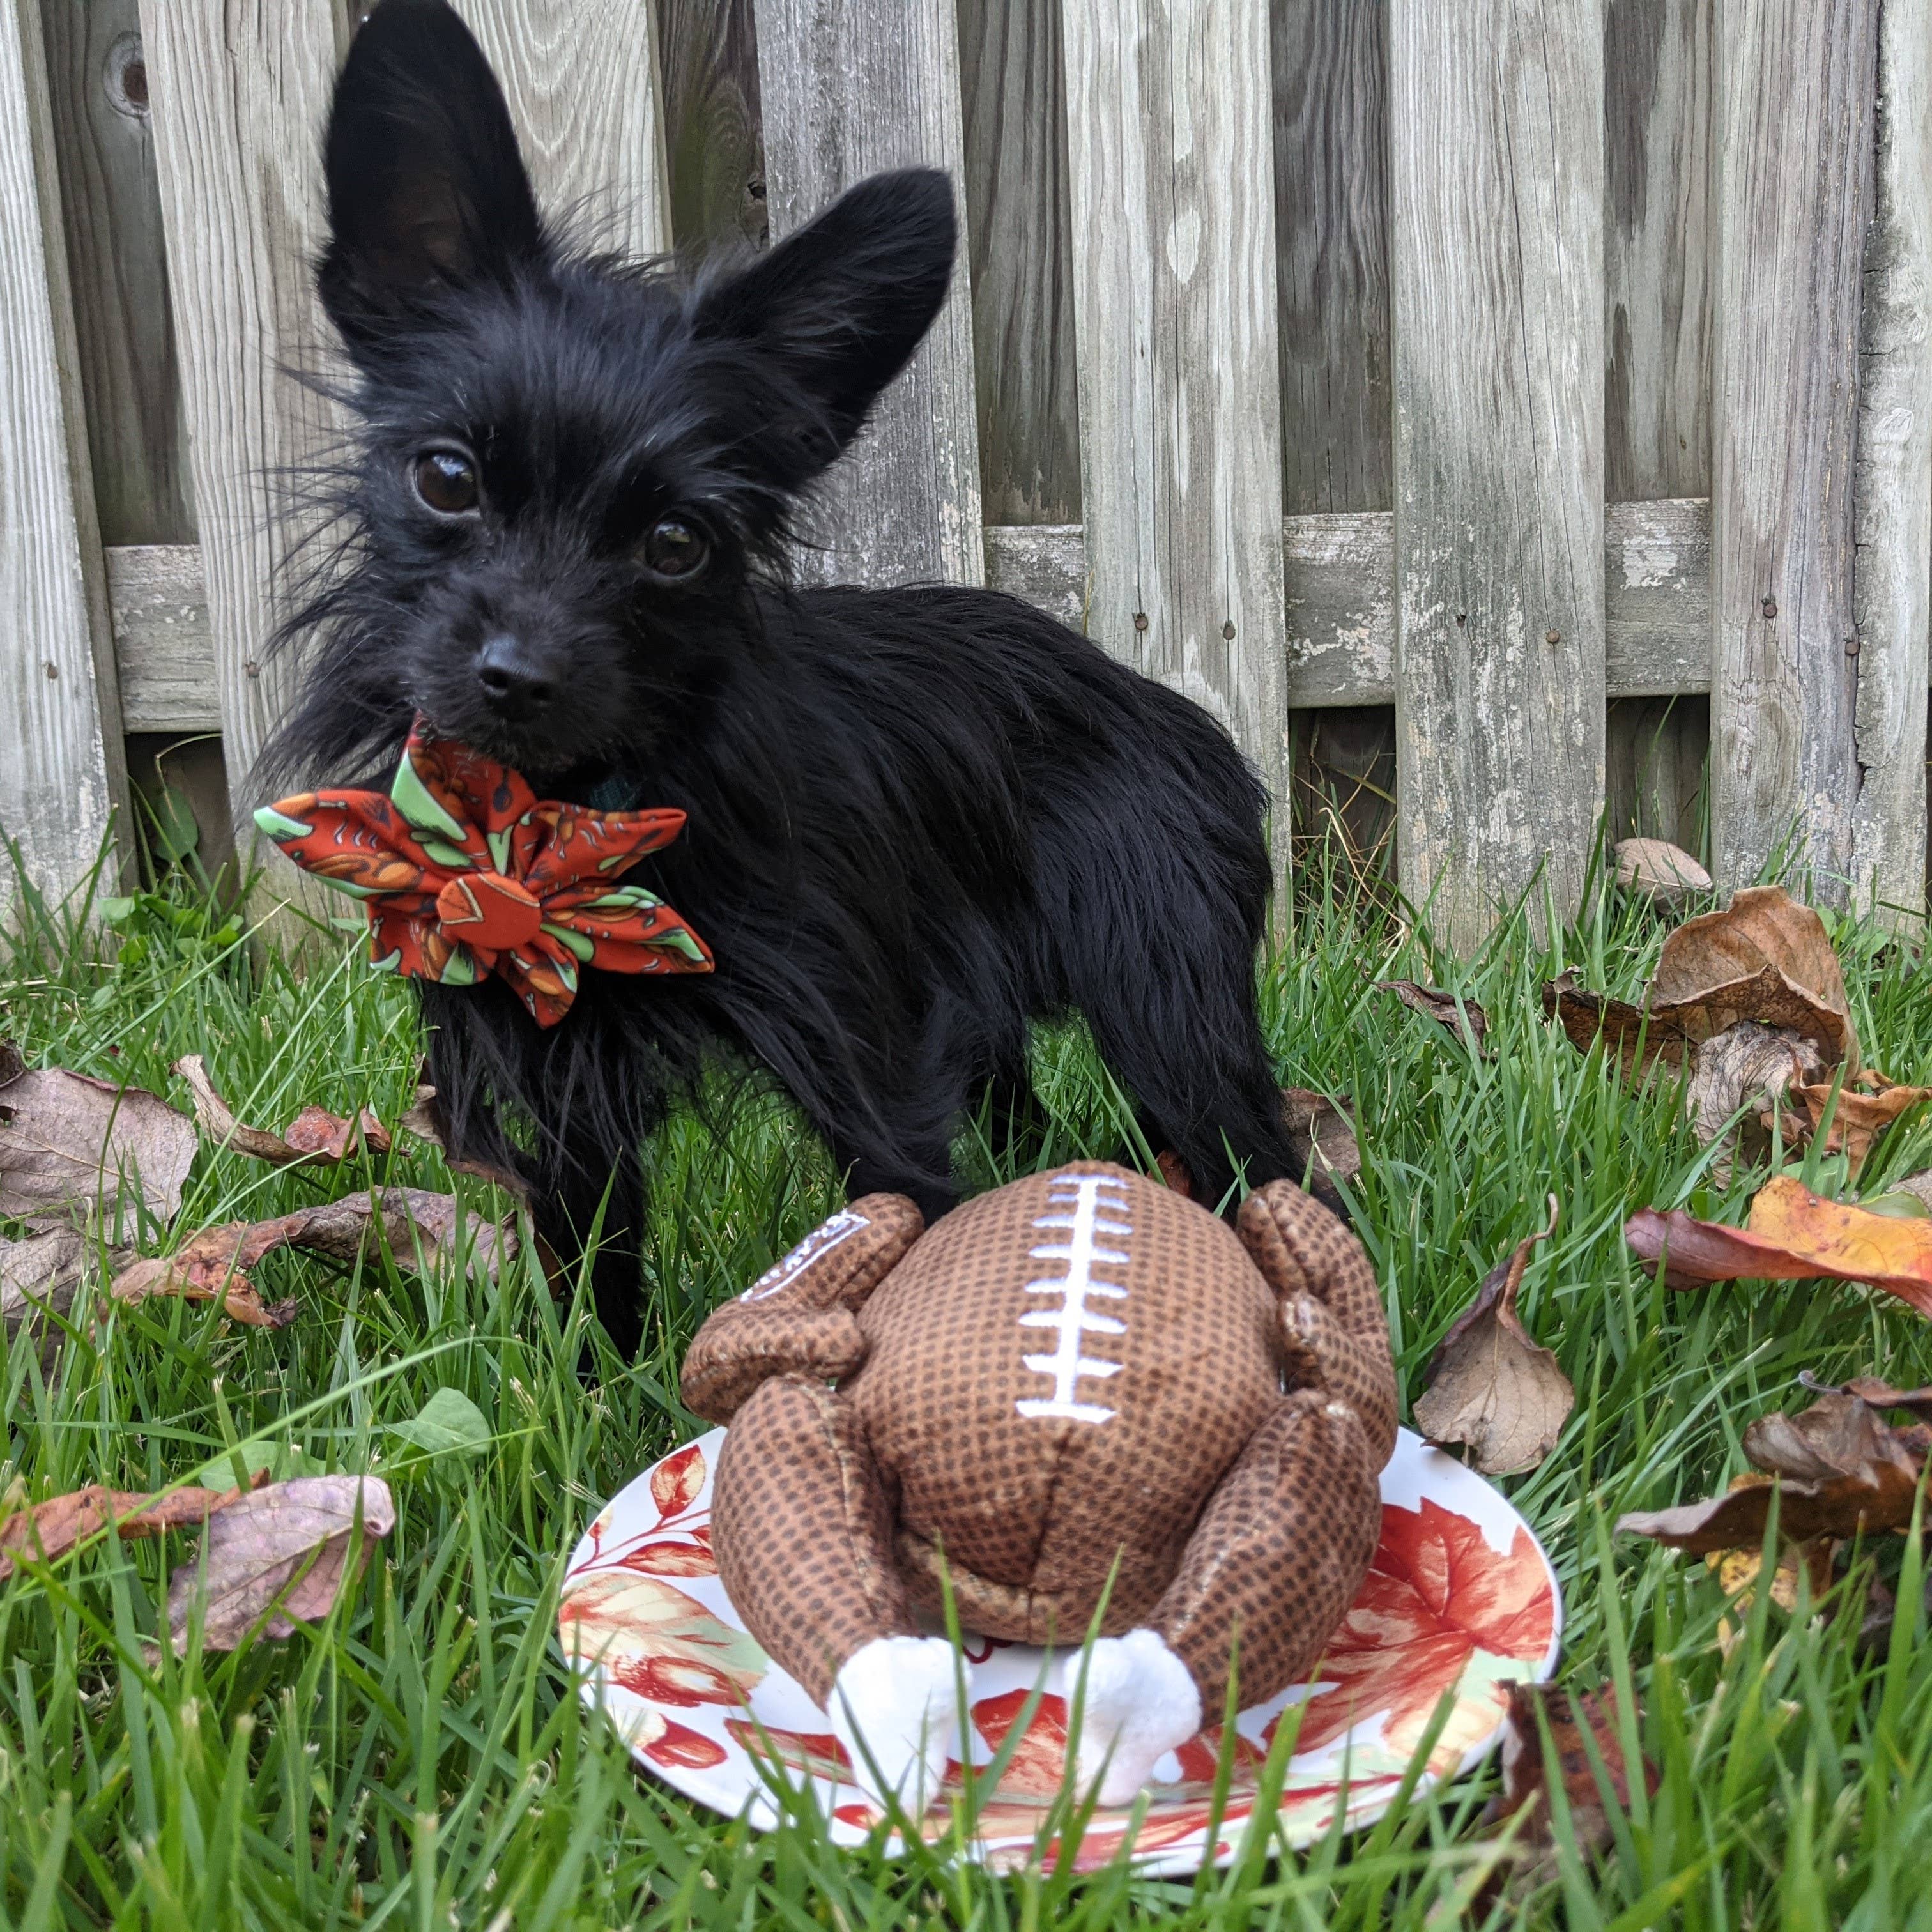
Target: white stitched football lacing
{"points": [[1085, 1218]]}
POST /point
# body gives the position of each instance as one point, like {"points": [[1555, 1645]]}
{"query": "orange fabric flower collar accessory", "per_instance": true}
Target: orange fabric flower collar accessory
{"points": [[466, 871]]}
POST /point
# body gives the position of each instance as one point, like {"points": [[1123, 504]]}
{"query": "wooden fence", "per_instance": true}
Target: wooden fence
{"points": [[1492, 404]]}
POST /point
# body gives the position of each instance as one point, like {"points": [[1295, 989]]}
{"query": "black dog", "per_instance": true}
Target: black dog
{"points": [[918, 818]]}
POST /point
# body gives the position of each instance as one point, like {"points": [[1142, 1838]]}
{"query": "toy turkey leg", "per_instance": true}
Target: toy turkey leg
{"points": [[802, 1523], [1278, 1555], [1334, 1333], [797, 1317]]}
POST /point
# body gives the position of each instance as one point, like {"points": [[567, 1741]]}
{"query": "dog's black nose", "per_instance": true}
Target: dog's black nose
{"points": [[511, 678]]}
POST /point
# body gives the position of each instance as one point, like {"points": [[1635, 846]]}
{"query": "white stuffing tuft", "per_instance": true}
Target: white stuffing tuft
{"points": [[895, 1707], [1140, 1704]]}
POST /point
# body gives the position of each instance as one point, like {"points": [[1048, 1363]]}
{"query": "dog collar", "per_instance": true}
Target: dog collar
{"points": [[465, 872]]}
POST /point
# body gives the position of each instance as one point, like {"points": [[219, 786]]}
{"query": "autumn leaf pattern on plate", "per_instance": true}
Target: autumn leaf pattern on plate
{"points": [[1460, 1599]]}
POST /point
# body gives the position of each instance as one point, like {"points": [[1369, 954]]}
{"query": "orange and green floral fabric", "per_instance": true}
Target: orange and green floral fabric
{"points": [[465, 872]]}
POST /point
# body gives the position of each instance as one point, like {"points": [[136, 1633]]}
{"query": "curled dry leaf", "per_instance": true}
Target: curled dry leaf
{"points": [[1490, 1386], [1639, 1040], [39, 1275], [277, 1557], [215, 1262], [426, 1121], [1763, 958], [1835, 1471], [1443, 1007], [211, 1263], [1752, 996], [70, 1146], [1746, 1063], [1863, 1111], [316, 1137], [1877, 1394], [52, 1528], [1321, 1134], [1793, 1235], [1659, 870], [1530, 1768]]}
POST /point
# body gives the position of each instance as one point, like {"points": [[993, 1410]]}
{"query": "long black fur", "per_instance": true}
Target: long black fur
{"points": [[918, 818]]}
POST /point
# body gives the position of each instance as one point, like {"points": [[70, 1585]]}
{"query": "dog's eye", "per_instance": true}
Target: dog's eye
{"points": [[674, 548], [446, 481]]}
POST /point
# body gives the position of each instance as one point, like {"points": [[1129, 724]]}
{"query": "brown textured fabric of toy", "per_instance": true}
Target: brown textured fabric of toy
{"points": [[1035, 1481], [801, 1523], [797, 1317], [1081, 1376]]}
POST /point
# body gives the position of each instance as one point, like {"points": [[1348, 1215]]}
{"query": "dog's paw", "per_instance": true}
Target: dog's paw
{"points": [[1140, 1703], [895, 1707]]}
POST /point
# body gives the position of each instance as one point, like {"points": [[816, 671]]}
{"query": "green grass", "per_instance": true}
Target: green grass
{"points": [[420, 1761]]}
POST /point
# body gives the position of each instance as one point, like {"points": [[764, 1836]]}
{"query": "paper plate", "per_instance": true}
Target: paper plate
{"points": [[1460, 1598]]}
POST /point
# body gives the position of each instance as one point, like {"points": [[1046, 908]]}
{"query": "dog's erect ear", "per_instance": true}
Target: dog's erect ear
{"points": [[427, 190], [840, 304]]}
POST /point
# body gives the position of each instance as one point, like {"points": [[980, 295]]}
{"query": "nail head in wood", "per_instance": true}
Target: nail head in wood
{"points": [[1140, 620]]}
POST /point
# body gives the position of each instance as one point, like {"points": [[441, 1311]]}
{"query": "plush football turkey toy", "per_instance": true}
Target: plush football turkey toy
{"points": [[1081, 1375]]}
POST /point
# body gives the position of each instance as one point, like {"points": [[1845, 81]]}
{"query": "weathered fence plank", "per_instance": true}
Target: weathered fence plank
{"points": [[1495, 124], [1330, 61], [62, 774], [238, 90], [1170, 158], [581, 75], [1891, 595], [1341, 606], [1656, 389], [163, 643], [714, 138], [1791, 196], [1012, 89], [850, 87], [97, 74]]}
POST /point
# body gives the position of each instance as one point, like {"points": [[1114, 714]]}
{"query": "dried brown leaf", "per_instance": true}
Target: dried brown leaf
{"points": [[277, 1558], [11, 1065], [1490, 1386], [70, 1146], [52, 1528], [1639, 1040], [1750, 1066], [216, 1261], [1442, 1007], [211, 1265], [1862, 1113], [1877, 1394], [1528, 1766], [1837, 1470], [425, 1119], [316, 1137], [1763, 958], [1659, 870], [1320, 1130]]}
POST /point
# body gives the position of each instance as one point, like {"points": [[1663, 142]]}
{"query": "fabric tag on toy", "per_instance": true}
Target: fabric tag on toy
{"points": [[464, 871]]}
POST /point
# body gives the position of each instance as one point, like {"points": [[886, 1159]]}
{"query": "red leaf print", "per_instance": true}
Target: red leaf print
{"points": [[677, 1680], [1039, 1765], [676, 1480], [1435, 1595], [1101, 1845], [676, 1745], [817, 1754], [1201, 1760], [671, 1559]]}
